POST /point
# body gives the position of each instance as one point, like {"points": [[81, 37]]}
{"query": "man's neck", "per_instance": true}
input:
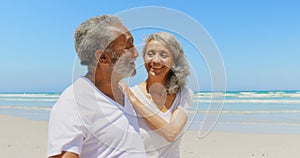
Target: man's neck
{"points": [[107, 85]]}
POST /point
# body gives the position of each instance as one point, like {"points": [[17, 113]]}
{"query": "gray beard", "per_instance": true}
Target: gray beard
{"points": [[122, 66]]}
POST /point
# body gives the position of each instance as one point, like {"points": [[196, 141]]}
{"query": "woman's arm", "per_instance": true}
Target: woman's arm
{"points": [[168, 130]]}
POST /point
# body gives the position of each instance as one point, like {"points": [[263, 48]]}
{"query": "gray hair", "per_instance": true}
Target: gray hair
{"points": [[179, 72], [93, 34]]}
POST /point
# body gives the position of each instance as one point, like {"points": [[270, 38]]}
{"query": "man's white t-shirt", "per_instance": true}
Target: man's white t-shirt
{"points": [[87, 122], [157, 146]]}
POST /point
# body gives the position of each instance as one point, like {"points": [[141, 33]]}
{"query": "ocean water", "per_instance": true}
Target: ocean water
{"points": [[243, 111], [35, 106], [258, 111]]}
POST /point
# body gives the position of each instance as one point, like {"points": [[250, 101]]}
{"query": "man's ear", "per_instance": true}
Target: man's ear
{"points": [[102, 56]]}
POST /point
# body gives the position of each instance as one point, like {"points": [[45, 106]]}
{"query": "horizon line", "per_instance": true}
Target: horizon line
{"points": [[205, 91]]}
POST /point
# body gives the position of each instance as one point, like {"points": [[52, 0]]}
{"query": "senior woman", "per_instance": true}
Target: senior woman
{"points": [[161, 101]]}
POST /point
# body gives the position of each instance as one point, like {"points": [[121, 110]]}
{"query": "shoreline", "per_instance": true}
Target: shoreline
{"points": [[21, 137]]}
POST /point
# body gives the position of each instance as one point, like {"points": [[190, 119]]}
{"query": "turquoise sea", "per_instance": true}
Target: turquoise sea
{"points": [[240, 111]]}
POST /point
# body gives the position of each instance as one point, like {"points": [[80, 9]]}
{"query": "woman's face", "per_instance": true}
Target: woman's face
{"points": [[158, 59]]}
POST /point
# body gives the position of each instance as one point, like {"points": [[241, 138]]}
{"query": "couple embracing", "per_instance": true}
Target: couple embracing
{"points": [[100, 116]]}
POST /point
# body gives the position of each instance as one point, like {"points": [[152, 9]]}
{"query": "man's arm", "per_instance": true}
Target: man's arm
{"points": [[65, 154]]}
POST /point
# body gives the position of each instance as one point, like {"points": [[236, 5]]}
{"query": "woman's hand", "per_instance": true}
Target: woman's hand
{"points": [[132, 98]]}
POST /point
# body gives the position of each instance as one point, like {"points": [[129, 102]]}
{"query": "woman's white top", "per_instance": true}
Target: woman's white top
{"points": [[157, 146]]}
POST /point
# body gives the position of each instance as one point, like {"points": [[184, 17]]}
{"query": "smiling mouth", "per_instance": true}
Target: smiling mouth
{"points": [[156, 67], [154, 71]]}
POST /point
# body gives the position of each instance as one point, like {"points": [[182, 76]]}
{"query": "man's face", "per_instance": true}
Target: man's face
{"points": [[123, 53]]}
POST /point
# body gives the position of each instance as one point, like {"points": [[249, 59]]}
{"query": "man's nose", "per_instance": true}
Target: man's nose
{"points": [[134, 52]]}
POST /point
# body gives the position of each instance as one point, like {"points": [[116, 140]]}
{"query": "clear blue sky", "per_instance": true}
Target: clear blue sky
{"points": [[259, 41]]}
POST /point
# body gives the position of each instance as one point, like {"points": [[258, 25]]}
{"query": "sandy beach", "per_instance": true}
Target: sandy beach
{"points": [[240, 145], [24, 138]]}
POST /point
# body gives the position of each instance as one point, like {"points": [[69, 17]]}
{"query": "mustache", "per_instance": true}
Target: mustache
{"points": [[123, 58]]}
